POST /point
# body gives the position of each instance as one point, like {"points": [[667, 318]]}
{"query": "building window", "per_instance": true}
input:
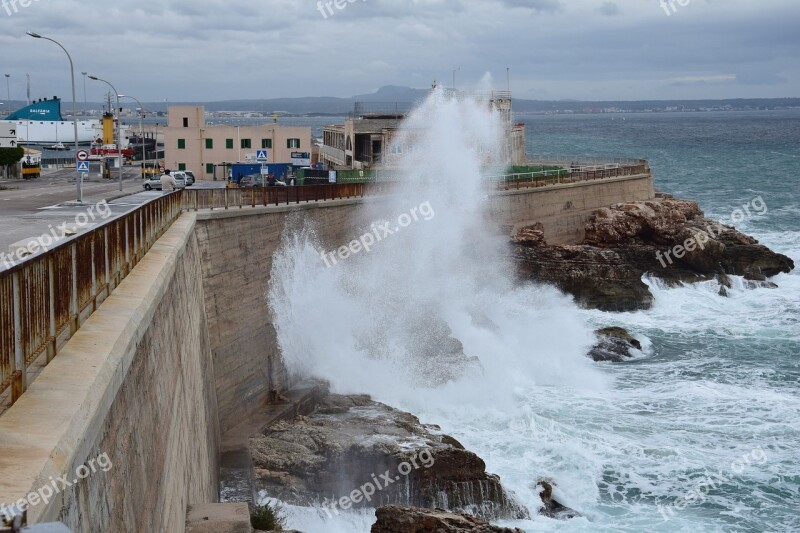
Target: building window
{"points": [[229, 144], [209, 168], [246, 143], [181, 144], [292, 143], [185, 122], [266, 144], [349, 145], [209, 144], [181, 166]]}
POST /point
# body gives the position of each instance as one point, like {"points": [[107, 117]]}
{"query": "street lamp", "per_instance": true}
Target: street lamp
{"points": [[74, 113], [85, 101], [8, 87], [140, 109], [119, 128]]}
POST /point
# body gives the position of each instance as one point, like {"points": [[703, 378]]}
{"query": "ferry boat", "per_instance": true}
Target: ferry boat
{"points": [[41, 123]]}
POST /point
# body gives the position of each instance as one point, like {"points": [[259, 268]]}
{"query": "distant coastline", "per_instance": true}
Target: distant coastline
{"points": [[325, 106]]}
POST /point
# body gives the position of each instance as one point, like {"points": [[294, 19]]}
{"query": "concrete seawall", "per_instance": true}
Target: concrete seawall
{"points": [[237, 248], [184, 349], [564, 209], [136, 383]]}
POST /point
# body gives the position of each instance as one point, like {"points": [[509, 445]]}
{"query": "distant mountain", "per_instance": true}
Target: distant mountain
{"points": [[327, 105], [393, 93]]}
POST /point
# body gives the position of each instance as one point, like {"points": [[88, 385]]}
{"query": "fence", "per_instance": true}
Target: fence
{"points": [[44, 300], [195, 199], [573, 173]]}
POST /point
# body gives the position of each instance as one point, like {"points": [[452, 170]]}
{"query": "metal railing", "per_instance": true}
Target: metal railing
{"points": [[45, 299], [194, 199], [577, 173]]}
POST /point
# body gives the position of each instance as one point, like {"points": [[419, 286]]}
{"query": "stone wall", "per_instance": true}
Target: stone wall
{"points": [[237, 248], [564, 209], [135, 383]]}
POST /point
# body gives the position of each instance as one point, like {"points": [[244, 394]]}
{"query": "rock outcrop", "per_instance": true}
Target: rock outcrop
{"points": [[551, 507], [614, 344], [354, 452], [666, 238], [397, 519]]}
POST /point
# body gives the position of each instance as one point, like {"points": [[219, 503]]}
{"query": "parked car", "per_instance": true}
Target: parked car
{"points": [[185, 175], [251, 180], [154, 183]]}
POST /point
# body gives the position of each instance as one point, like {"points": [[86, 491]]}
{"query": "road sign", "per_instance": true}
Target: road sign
{"points": [[83, 166], [261, 156], [265, 171], [8, 135], [82, 155]]}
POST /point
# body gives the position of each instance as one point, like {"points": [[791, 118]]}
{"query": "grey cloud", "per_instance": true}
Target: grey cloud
{"points": [[552, 6], [609, 9]]}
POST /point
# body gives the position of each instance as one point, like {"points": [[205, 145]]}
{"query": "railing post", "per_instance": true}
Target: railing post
{"points": [[51, 280], [19, 379], [226, 198], [94, 273], [108, 261], [127, 249], [74, 319]]}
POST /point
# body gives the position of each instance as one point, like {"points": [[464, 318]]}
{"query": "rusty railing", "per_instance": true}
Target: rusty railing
{"points": [[195, 199], [45, 299]]}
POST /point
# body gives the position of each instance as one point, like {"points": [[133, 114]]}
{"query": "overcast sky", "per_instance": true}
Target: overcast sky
{"points": [[205, 50]]}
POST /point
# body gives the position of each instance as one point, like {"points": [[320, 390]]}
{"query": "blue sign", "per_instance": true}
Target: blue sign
{"points": [[261, 156], [83, 166]]}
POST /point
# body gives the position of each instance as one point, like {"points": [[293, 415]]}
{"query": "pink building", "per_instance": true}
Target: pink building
{"points": [[191, 144]]}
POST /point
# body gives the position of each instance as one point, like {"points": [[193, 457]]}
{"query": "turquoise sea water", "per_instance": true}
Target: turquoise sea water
{"points": [[700, 433], [703, 432]]}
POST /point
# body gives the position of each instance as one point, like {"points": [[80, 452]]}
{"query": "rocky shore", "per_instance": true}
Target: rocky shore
{"points": [[665, 238], [353, 452]]}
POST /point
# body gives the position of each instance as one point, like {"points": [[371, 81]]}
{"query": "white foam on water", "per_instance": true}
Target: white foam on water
{"points": [[618, 439]]}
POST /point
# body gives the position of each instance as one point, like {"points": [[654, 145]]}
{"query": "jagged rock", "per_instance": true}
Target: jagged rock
{"points": [[352, 445], [760, 285], [397, 519], [666, 238], [551, 507], [614, 344], [530, 235]]}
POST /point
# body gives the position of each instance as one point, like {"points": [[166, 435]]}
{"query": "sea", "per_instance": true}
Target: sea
{"points": [[699, 433]]}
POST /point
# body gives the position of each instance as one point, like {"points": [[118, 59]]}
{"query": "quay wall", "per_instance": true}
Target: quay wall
{"points": [[135, 384], [184, 349]]}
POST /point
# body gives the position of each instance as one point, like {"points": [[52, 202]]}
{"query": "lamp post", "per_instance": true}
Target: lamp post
{"points": [[85, 101], [8, 88], [140, 109], [119, 128], [79, 181]]}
